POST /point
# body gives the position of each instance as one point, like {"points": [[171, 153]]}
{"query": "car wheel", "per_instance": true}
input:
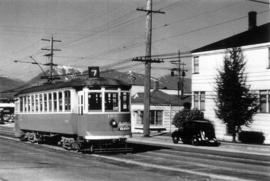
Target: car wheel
{"points": [[175, 139]]}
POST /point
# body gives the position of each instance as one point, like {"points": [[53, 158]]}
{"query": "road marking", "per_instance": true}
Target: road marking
{"points": [[213, 176]]}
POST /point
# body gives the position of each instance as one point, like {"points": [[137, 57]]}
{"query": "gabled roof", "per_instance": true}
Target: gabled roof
{"points": [[160, 98], [257, 35]]}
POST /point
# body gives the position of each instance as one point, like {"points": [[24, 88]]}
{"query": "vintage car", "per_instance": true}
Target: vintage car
{"points": [[196, 132]]}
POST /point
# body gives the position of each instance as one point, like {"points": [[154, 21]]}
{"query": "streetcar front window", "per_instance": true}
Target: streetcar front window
{"points": [[94, 101], [111, 101], [124, 101]]}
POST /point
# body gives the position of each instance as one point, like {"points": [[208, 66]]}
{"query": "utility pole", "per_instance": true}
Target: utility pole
{"points": [[181, 74], [50, 54], [147, 59]]}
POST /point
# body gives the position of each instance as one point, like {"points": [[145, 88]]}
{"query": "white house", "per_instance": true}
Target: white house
{"points": [[255, 45], [163, 107]]}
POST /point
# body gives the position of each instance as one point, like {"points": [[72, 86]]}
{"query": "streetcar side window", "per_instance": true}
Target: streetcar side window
{"points": [[54, 101], [36, 102], [40, 102], [21, 104], [32, 103], [24, 104], [45, 102], [67, 100], [124, 101], [60, 101], [94, 101], [50, 102], [111, 101], [28, 104]]}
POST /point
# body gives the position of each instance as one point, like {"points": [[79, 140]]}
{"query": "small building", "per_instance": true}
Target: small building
{"points": [[163, 107], [255, 45]]}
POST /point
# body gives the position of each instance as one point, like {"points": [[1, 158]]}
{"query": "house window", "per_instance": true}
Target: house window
{"points": [[199, 100], [202, 101], [263, 101], [196, 65], [139, 117], [156, 117], [196, 100], [269, 57]]}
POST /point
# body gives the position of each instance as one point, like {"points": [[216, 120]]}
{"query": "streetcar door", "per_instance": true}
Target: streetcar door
{"points": [[80, 103]]}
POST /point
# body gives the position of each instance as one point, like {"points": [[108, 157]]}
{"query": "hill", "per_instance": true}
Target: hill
{"points": [[7, 84], [130, 77]]}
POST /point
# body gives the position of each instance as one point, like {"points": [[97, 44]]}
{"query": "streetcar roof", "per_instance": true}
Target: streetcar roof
{"points": [[79, 84]]}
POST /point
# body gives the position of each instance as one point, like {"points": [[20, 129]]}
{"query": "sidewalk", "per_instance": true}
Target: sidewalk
{"points": [[166, 141]]}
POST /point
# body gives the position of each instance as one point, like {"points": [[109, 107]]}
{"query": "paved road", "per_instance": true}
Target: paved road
{"points": [[31, 162], [24, 161]]}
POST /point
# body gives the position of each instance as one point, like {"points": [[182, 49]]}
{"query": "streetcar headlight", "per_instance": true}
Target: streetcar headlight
{"points": [[113, 123]]}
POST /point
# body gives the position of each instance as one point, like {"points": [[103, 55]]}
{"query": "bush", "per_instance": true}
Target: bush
{"points": [[185, 116], [251, 137]]}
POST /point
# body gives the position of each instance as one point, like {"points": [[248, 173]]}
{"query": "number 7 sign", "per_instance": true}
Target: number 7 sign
{"points": [[93, 71]]}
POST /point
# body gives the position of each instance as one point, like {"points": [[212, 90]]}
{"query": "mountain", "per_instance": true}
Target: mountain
{"points": [[69, 72], [165, 82], [8, 84], [130, 77]]}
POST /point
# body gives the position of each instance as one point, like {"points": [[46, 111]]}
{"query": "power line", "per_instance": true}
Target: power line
{"points": [[205, 27], [257, 1]]}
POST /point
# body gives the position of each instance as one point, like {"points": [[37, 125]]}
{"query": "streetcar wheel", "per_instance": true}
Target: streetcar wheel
{"points": [[76, 146]]}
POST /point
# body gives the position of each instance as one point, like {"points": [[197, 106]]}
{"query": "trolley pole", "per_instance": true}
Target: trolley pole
{"points": [[147, 60]]}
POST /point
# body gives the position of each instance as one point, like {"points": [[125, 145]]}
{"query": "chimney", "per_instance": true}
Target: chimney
{"points": [[252, 20]]}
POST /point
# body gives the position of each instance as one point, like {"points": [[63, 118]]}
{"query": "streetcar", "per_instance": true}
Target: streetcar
{"points": [[82, 114]]}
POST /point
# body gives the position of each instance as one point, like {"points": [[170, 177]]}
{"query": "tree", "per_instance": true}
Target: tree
{"points": [[186, 115], [235, 104]]}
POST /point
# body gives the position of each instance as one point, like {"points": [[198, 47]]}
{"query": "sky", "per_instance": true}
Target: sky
{"points": [[109, 33]]}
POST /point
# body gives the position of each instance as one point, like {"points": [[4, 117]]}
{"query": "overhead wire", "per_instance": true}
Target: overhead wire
{"points": [[186, 32]]}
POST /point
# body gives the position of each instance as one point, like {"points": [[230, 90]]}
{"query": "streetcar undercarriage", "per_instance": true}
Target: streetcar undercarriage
{"points": [[76, 143]]}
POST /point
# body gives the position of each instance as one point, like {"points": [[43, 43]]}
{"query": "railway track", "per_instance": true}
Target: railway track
{"points": [[215, 167]]}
